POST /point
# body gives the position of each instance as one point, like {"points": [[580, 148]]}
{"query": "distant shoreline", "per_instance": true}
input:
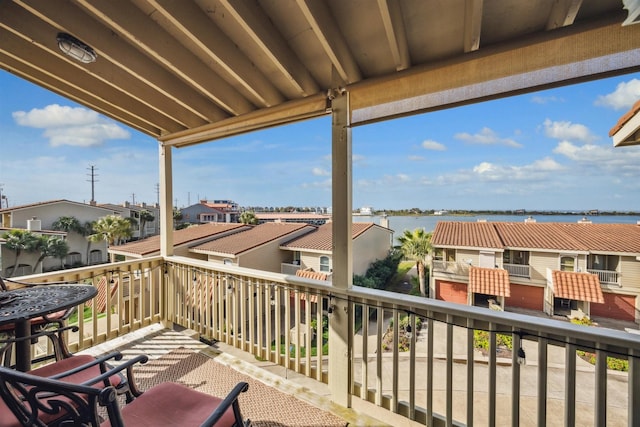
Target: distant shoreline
{"points": [[506, 213]]}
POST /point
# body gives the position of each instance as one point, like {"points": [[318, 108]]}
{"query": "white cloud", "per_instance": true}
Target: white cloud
{"points": [[416, 158], [602, 158], [539, 169], [487, 136], [567, 131], [320, 172], [625, 95], [546, 99], [433, 145], [77, 126]]}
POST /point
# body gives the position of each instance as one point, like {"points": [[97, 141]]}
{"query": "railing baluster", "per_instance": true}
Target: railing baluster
{"points": [[470, 366], [412, 367], [542, 382], [365, 353], [633, 389], [379, 350], [394, 365], [493, 363], [429, 383], [600, 404], [515, 381], [570, 385], [449, 372]]}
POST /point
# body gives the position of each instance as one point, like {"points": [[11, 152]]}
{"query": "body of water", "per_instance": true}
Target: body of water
{"points": [[400, 223]]}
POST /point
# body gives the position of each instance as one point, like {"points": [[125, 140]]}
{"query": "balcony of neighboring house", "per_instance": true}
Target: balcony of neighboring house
{"points": [[399, 359], [517, 263], [444, 261], [606, 267]]}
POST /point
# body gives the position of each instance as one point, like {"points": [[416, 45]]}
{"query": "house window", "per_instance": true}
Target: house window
{"points": [[567, 263], [74, 258], [516, 257], [324, 264], [95, 257], [227, 261], [603, 262]]}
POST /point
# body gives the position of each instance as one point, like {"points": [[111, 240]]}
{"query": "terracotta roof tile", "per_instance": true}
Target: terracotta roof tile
{"points": [[558, 236], [489, 281], [466, 234], [322, 238], [188, 235], [310, 274], [577, 286], [625, 118], [256, 236]]}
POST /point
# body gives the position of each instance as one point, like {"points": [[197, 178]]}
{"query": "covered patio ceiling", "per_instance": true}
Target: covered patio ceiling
{"points": [[191, 71]]}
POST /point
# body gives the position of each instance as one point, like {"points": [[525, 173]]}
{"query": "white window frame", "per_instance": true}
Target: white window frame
{"points": [[325, 267]]}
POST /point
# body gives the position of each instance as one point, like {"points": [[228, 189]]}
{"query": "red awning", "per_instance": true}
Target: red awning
{"points": [[577, 286], [489, 281]]}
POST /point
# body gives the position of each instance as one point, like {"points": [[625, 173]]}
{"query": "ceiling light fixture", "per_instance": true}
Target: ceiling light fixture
{"points": [[76, 49]]}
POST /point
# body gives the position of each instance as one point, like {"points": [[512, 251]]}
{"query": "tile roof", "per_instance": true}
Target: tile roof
{"points": [[625, 118], [188, 235], [310, 274], [466, 234], [577, 286], [290, 215], [48, 202], [254, 237], [489, 281], [558, 236], [322, 238]]}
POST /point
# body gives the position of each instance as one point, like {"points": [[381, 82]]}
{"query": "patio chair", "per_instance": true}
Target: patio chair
{"points": [[56, 320], [35, 401]]}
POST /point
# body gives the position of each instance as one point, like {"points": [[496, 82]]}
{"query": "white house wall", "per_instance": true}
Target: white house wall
{"points": [[370, 246], [630, 274]]}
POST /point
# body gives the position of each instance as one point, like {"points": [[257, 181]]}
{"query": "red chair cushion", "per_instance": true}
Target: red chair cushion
{"points": [[79, 377], [171, 404]]}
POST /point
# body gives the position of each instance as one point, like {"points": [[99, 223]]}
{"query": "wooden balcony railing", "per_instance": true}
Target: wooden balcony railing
{"points": [[454, 267], [414, 357]]}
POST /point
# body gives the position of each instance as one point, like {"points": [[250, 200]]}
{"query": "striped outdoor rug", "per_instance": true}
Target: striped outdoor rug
{"points": [[263, 405]]}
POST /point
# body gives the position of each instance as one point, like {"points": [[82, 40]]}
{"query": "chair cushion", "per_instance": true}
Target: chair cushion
{"points": [[79, 377], [7, 419], [171, 404]]}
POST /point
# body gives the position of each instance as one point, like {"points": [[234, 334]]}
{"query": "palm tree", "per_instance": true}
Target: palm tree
{"points": [[52, 246], [67, 224], [20, 241], [248, 217], [111, 228], [416, 245], [87, 230], [145, 216]]}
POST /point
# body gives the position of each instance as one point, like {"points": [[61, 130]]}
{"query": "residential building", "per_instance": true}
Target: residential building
{"points": [[128, 210], [314, 251], [548, 267], [306, 217], [39, 217], [257, 247], [183, 240], [210, 211]]}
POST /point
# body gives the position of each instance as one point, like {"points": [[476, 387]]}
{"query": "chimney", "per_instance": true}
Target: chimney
{"points": [[34, 224]]}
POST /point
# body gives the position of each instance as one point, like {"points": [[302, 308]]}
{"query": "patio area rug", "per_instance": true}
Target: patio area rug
{"points": [[263, 405]]}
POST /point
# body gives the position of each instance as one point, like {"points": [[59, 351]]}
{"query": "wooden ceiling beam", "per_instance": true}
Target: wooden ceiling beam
{"points": [[391, 15], [158, 59], [215, 49], [332, 41], [266, 38]]}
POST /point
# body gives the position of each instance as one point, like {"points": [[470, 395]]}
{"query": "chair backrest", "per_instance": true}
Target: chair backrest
{"points": [[38, 401], [3, 287]]}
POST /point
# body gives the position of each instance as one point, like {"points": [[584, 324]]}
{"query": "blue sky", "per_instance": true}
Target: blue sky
{"points": [[545, 150]]}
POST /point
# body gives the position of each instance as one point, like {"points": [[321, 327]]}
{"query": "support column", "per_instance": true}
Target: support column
{"points": [[340, 354], [166, 228], [166, 202]]}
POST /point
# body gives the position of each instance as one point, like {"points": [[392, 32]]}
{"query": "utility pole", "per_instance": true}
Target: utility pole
{"points": [[93, 181], [133, 199]]}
